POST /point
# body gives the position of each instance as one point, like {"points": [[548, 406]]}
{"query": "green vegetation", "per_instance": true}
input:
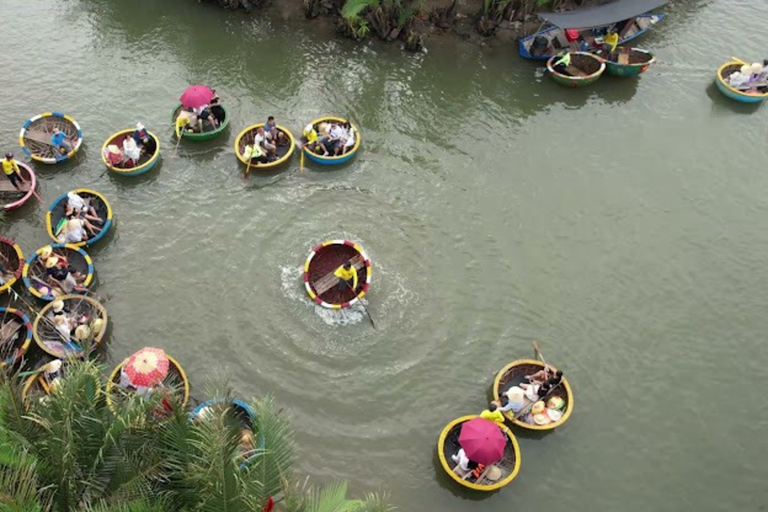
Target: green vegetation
{"points": [[70, 452]]}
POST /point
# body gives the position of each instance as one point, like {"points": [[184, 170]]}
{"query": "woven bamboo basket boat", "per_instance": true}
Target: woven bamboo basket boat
{"points": [[584, 69], [176, 380], [628, 62], [35, 137], [12, 198], [284, 153], [15, 335], [757, 95], [81, 308], [448, 445], [323, 287], [57, 213], [207, 133], [334, 160], [513, 374], [34, 272], [13, 268], [145, 163]]}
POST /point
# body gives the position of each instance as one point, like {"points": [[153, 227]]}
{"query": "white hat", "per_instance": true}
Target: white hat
{"points": [[59, 319], [745, 69], [756, 68], [46, 251], [515, 394], [541, 419], [308, 128], [58, 305], [82, 332], [493, 474], [554, 415], [53, 366], [139, 126]]}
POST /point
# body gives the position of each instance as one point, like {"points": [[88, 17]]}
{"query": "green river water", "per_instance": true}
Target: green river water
{"points": [[622, 226]]}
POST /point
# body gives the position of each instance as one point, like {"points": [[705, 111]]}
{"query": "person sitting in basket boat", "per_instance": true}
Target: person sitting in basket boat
{"points": [[148, 146], [335, 139], [255, 154], [348, 139], [75, 231], [260, 139], [513, 400], [140, 133], [5, 275], [63, 277], [203, 113], [561, 64], [309, 140], [492, 413], [78, 207], [11, 171], [185, 121], [131, 151], [60, 141], [274, 135], [534, 392], [218, 111], [346, 274]]}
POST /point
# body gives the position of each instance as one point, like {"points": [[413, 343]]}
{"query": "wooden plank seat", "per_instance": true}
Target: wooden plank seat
{"points": [[38, 136], [623, 58], [7, 186], [574, 71], [328, 281]]}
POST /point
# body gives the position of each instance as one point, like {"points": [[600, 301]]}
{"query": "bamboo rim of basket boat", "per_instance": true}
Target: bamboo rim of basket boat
{"points": [[115, 376], [309, 286], [50, 118], [98, 312], [29, 265], [448, 468], [269, 165], [31, 179], [21, 317], [200, 136], [587, 55], [345, 156], [129, 170], [80, 191], [511, 416], [737, 66], [10, 249]]}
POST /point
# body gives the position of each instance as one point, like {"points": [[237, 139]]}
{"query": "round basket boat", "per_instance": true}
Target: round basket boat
{"points": [[145, 163], [10, 270], [513, 374], [35, 137], [284, 153], [34, 272], [319, 281], [756, 95], [15, 335], [333, 160], [176, 380], [509, 466], [55, 219], [12, 197], [207, 133], [628, 62], [584, 69], [243, 414], [84, 311]]}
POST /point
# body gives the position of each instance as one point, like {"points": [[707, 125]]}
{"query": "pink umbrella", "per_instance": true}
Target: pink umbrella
{"points": [[195, 96], [483, 441]]}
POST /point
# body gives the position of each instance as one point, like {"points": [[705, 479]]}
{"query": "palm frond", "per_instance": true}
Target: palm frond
{"points": [[353, 8]]}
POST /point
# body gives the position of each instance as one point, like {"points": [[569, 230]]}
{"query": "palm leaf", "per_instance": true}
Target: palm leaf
{"points": [[353, 8]]}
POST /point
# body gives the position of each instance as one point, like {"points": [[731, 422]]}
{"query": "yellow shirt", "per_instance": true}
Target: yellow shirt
{"points": [[565, 60], [493, 416], [311, 136], [10, 166], [612, 39], [346, 275]]}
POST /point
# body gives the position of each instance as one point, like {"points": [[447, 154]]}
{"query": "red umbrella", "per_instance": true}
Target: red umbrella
{"points": [[147, 367], [195, 96], [483, 441]]}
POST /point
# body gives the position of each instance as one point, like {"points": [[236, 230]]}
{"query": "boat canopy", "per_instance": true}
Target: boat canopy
{"points": [[601, 15]]}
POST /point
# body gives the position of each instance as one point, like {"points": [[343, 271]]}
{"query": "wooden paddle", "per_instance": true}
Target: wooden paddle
{"points": [[361, 303], [537, 351], [738, 60], [301, 160], [248, 166]]}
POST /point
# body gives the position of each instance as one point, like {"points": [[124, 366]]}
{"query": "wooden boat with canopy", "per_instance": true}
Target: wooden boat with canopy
{"points": [[11, 197], [15, 335], [53, 333], [11, 263], [573, 30], [284, 152], [628, 62], [34, 272], [208, 132], [584, 69], [748, 93], [319, 158], [35, 137], [115, 143], [514, 374], [176, 381], [489, 479], [323, 287], [55, 219], [242, 417]]}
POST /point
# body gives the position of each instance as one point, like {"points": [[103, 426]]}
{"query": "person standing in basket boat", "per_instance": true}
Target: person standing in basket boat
{"points": [[11, 170], [610, 43], [59, 141], [562, 63], [346, 273]]}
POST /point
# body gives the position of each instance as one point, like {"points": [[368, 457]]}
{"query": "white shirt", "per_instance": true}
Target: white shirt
{"points": [[350, 138], [336, 132], [200, 109], [130, 148], [75, 201], [461, 459], [259, 139], [75, 235]]}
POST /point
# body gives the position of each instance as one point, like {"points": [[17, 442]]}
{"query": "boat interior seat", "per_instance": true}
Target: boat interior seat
{"points": [[328, 281], [6, 186], [38, 136]]}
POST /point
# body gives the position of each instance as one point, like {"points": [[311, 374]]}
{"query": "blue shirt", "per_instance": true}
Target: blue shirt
{"points": [[58, 138], [268, 127], [138, 136]]}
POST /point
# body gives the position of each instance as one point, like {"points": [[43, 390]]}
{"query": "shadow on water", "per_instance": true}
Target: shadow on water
{"points": [[446, 482], [720, 103]]}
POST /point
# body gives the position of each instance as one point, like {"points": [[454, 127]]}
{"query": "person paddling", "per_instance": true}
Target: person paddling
{"points": [[562, 63], [346, 273], [11, 170]]}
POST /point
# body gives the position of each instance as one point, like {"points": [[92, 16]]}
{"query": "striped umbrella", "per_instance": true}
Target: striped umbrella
{"points": [[147, 367]]}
